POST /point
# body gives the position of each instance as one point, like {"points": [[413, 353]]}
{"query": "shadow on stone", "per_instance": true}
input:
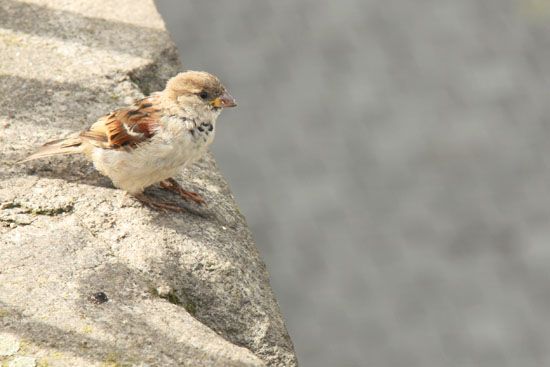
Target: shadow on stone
{"points": [[69, 168], [29, 94], [122, 319], [45, 335]]}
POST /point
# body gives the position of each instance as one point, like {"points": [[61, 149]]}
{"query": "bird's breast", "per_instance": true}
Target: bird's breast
{"points": [[175, 144], [185, 140]]}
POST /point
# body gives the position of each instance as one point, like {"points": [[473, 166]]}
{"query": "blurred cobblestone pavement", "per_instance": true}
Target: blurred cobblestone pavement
{"points": [[392, 160]]}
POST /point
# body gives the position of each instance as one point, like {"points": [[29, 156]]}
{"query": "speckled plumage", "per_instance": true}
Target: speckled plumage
{"points": [[153, 139]]}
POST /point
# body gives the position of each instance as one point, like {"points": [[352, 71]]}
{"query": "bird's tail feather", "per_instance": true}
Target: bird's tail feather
{"points": [[55, 147]]}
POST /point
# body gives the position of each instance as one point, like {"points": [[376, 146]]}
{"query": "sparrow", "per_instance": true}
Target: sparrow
{"points": [[150, 141]]}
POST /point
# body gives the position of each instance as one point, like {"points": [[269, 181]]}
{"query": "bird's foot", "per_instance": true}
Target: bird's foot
{"points": [[173, 185], [158, 204]]}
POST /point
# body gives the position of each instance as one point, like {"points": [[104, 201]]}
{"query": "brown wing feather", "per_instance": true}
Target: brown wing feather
{"points": [[126, 127]]}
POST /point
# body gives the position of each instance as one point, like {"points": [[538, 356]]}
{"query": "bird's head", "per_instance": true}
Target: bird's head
{"points": [[198, 92]]}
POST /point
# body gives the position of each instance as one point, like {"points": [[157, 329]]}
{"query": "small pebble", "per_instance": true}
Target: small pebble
{"points": [[98, 298]]}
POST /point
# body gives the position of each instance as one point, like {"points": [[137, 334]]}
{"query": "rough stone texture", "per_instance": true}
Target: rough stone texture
{"points": [[9, 344], [182, 289], [22, 361]]}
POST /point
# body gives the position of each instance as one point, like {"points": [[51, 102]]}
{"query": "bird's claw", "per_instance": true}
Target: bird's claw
{"points": [[172, 185]]}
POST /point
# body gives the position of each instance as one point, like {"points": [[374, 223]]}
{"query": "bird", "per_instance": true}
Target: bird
{"points": [[150, 141]]}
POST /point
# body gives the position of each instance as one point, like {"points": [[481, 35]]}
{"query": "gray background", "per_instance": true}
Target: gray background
{"points": [[391, 159]]}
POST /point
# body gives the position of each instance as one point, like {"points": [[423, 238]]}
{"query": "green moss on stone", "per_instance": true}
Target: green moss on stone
{"points": [[51, 211], [113, 359], [191, 307]]}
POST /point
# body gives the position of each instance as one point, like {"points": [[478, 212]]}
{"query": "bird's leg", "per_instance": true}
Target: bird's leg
{"points": [[158, 204], [173, 185]]}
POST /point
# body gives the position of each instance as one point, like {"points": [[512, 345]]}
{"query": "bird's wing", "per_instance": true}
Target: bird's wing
{"points": [[126, 127]]}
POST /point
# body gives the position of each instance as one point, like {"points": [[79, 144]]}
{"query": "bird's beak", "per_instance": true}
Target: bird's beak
{"points": [[225, 100]]}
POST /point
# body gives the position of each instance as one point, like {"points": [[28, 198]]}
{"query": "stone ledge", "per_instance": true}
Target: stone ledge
{"points": [[185, 289]]}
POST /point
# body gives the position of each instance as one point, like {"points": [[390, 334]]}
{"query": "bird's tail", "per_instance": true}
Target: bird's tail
{"points": [[55, 147]]}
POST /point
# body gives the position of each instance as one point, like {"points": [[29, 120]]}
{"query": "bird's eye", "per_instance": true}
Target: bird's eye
{"points": [[203, 95]]}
